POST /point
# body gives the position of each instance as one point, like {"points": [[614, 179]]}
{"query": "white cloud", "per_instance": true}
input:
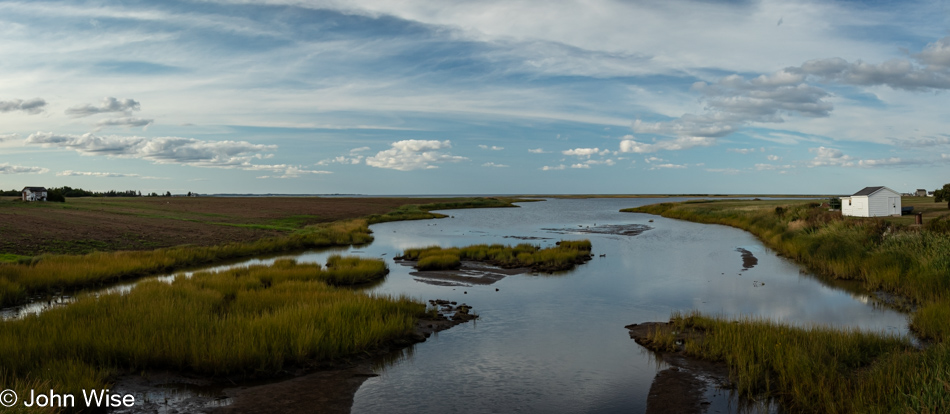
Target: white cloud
{"points": [[108, 104], [538, 151], [491, 164], [829, 156], [580, 166], [413, 154], [774, 157], [128, 122], [289, 171], [6, 168], [342, 159], [742, 151], [555, 168], [728, 171], [925, 142], [770, 167], [5, 137], [681, 143], [493, 147], [360, 149], [653, 159], [170, 150], [667, 166], [32, 106], [585, 152], [71, 173]]}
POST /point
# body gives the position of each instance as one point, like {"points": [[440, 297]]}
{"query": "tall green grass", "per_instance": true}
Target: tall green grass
{"points": [[911, 262], [251, 321], [820, 370], [565, 255], [57, 273]]}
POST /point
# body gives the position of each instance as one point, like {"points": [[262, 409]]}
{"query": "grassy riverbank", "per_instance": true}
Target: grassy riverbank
{"points": [[52, 274], [564, 256], [247, 322], [821, 369]]}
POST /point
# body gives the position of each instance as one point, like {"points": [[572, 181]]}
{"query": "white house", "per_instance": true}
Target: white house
{"points": [[34, 194], [872, 202]]}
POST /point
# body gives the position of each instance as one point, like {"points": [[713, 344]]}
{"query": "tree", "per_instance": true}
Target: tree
{"points": [[168, 194], [943, 194]]}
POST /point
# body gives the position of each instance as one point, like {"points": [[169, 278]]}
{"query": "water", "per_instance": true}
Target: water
{"points": [[557, 343]]}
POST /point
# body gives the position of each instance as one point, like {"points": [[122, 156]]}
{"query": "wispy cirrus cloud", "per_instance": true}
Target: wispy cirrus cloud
{"points": [[32, 106], [71, 173], [170, 150], [414, 154], [6, 168], [108, 104]]}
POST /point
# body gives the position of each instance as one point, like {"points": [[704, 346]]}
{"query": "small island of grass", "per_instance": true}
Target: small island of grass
{"points": [[563, 256]]}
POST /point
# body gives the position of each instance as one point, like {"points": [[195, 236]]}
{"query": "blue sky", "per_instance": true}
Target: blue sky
{"points": [[438, 97]]}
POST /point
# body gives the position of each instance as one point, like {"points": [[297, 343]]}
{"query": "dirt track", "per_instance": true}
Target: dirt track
{"points": [[83, 225]]}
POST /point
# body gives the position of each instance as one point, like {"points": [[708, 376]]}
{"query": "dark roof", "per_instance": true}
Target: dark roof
{"points": [[867, 191], [34, 189]]}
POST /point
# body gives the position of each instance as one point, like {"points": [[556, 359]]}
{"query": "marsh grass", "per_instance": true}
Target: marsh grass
{"points": [[423, 211], [564, 256], [911, 262], [246, 322], [57, 273], [820, 369]]}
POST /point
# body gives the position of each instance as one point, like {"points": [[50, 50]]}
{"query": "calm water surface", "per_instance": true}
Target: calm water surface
{"points": [[557, 343]]}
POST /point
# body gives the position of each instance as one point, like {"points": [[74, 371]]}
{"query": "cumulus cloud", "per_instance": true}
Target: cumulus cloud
{"points": [[554, 168], [585, 152], [32, 106], [108, 104], [6, 168], [414, 154], [537, 151], [342, 159], [631, 145], [493, 147], [774, 157], [742, 151], [580, 166], [829, 156], [5, 137], [171, 150], [128, 122], [491, 164]]}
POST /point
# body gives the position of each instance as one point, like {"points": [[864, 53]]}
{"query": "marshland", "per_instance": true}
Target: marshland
{"points": [[542, 342]]}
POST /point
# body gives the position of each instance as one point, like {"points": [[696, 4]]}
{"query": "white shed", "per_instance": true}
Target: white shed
{"points": [[872, 202], [34, 194]]}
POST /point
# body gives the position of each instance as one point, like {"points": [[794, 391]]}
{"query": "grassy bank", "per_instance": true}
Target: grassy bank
{"points": [[564, 256], [27, 277], [244, 322], [909, 261], [821, 369], [818, 370]]}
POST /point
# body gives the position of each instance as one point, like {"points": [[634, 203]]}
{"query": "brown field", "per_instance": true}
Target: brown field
{"points": [[83, 225]]}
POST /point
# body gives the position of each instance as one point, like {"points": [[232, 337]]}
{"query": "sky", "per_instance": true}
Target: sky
{"points": [[475, 97]]}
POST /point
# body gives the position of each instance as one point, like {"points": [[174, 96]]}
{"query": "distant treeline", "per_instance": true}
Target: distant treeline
{"points": [[66, 191]]}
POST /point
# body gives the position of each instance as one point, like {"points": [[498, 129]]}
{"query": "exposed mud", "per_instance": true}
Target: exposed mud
{"points": [[320, 387], [471, 273], [615, 229], [682, 387], [748, 259]]}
